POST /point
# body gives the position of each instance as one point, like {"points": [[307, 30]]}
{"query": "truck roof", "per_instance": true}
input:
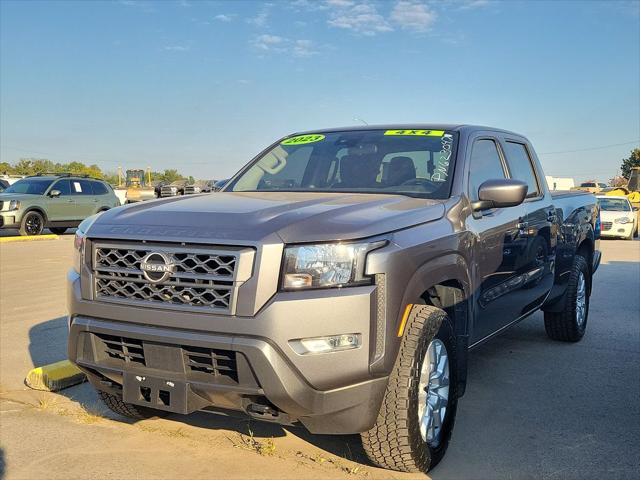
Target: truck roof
{"points": [[411, 126]]}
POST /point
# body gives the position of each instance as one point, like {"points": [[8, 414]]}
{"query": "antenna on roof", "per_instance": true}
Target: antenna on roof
{"points": [[360, 120]]}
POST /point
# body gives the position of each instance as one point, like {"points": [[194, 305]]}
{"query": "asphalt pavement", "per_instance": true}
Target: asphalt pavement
{"points": [[534, 408]]}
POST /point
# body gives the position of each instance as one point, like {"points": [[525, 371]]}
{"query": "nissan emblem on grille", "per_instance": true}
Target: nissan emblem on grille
{"points": [[157, 267]]}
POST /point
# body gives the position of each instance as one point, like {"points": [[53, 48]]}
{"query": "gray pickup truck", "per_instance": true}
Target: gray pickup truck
{"points": [[337, 281]]}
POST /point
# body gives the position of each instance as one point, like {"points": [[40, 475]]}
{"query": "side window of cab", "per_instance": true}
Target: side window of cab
{"points": [[485, 164]]}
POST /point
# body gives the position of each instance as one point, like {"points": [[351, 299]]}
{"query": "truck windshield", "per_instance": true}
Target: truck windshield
{"points": [[614, 204], [407, 162], [34, 186]]}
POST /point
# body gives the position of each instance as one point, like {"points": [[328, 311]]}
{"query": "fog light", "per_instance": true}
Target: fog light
{"points": [[333, 343]]}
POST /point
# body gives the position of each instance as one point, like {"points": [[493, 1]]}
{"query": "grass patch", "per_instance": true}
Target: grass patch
{"points": [[177, 433], [320, 459], [251, 443], [46, 403]]}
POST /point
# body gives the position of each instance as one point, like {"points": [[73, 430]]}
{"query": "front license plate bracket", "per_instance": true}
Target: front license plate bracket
{"points": [[161, 394]]}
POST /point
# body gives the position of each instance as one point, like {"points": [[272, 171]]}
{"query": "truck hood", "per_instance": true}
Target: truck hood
{"points": [[237, 217]]}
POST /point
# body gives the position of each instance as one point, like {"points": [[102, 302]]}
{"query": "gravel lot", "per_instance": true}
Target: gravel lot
{"points": [[534, 408]]}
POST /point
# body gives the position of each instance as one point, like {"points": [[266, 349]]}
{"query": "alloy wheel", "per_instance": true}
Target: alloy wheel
{"points": [[581, 300], [33, 224], [433, 392]]}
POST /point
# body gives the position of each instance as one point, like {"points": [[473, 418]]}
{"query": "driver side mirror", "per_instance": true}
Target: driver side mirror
{"points": [[55, 193], [635, 209], [500, 193]]}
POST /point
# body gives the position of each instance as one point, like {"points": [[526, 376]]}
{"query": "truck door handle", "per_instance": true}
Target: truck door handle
{"points": [[551, 216], [522, 225]]}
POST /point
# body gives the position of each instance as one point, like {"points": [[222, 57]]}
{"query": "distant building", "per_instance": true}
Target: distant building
{"points": [[560, 183]]}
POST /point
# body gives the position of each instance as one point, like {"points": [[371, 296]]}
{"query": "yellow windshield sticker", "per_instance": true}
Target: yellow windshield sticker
{"points": [[302, 139], [419, 133]]}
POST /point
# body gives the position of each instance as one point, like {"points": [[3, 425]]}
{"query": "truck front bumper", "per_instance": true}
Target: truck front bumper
{"points": [[167, 360]]}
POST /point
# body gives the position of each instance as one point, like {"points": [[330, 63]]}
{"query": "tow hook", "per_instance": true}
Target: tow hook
{"points": [[265, 412]]}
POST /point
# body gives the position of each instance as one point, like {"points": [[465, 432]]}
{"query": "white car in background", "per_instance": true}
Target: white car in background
{"points": [[618, 218]]}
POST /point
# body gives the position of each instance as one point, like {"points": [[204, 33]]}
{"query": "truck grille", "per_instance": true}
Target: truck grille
{"points": [[124, 349], [211, 361], [607, 225], [190, 190], [197, 360], [202, 278]]}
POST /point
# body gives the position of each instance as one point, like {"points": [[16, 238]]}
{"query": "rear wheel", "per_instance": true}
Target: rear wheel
{"points": [[415, 421], [58, 230], [32, 223], [570, 323], [115, 404]]}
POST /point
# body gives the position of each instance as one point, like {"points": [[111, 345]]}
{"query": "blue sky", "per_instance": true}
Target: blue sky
{"points": [[203, 86]]}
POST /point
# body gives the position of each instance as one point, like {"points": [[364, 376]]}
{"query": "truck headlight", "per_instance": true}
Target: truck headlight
{"points": [[79, 241], [623, 220], [14, 205], [326, 265]]}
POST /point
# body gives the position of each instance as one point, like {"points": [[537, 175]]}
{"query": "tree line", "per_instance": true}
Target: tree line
{"points": [[33, 166]]}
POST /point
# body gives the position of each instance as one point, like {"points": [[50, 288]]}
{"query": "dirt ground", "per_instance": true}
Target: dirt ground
{"points": [[533, 408]]}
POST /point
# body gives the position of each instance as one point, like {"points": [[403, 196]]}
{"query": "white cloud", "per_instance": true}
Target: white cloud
{"points": [[340, 3], [303, 48], [470, 4], [224, 17], [362, 18], [413, 15], [268, 42], [260, 20], [276, 44]]}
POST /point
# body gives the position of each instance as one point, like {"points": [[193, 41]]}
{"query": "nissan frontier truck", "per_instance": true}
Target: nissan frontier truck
{"points": [[337, 281]]}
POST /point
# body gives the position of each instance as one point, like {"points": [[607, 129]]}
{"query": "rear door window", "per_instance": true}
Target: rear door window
{"points": [[520, 166], [81, 187]]}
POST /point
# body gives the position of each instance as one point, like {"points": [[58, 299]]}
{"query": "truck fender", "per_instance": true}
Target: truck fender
{"points": [[452, 270]]}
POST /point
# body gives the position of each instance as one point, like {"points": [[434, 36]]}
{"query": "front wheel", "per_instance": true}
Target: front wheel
{"points": [[32, 224], [569, 324], [415, 421]]}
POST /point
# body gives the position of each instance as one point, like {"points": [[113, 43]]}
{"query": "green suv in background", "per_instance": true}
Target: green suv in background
{"points": [[56, 202]]}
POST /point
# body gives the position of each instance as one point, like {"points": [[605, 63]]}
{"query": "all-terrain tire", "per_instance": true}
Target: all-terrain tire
{"points": [[115, 404], [395, 441], [32, 223], [564, 325], [58, 230]]}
